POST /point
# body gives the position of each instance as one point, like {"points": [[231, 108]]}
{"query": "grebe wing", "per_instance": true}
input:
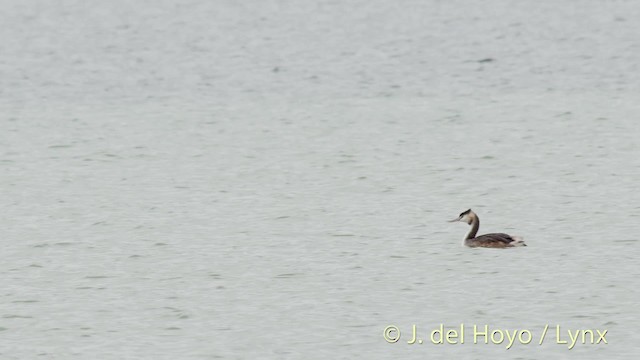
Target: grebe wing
{"points": [[493, 240]]}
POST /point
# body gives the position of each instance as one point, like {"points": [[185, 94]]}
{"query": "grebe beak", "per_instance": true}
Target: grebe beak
{"points": [[457, 219]]}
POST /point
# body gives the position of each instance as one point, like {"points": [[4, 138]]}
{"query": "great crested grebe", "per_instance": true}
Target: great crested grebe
{"points": [[496, 240]]}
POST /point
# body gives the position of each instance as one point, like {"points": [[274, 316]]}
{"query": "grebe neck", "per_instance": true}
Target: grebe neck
{"points": [[475, 225]]}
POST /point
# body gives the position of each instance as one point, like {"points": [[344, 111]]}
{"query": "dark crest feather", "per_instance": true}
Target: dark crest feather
{"points": [[465, 212]]}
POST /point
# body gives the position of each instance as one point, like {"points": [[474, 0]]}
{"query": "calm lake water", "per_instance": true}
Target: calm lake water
{"points": [[272, 180]]}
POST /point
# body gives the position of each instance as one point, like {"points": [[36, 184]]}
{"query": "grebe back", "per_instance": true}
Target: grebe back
{"points": [[495, 240]]}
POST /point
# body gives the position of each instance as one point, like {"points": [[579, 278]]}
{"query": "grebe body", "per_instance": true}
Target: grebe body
{"points": [[495, 240]]}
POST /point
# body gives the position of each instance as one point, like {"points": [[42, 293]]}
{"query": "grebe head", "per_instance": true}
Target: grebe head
{"points": [[465, 216]]}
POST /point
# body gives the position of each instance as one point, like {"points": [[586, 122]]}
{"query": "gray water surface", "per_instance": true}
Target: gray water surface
{"points": [[272, 180]]}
